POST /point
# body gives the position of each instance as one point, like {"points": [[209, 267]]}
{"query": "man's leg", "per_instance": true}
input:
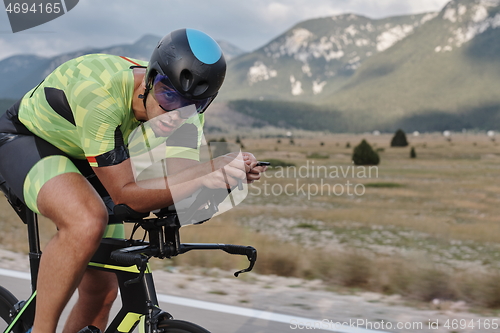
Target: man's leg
{"points": [[96, 294], [80, 216]]}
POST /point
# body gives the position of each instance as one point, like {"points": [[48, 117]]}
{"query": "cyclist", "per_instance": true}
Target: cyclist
{"points": [[63, 152]]}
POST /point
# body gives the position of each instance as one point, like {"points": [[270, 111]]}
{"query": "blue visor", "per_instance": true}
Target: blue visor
{"points": [[170, 99]]}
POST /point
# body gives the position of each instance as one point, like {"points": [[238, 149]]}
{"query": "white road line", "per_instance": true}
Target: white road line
{"points": [[15, 274], [294, 321]]}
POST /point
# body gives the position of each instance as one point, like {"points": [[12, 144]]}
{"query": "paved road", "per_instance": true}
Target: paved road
{"points": [[215, 317]]}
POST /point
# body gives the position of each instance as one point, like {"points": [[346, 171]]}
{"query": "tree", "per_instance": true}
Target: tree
{"points": [[365, 155], [399, 139], [238, 141]]}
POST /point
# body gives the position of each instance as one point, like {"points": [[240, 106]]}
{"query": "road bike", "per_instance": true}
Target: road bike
{"points": [[129, 260]]}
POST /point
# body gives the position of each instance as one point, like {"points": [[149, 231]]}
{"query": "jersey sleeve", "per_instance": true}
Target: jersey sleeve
{"points": [[98, 117]]}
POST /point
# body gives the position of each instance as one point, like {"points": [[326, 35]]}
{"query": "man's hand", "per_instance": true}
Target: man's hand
{"points": [[254, 171], [227, 171]]}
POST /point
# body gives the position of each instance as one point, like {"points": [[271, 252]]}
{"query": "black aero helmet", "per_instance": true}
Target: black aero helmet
{"points": [[192, 61]]}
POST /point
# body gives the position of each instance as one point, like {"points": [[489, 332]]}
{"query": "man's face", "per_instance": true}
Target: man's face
{"points": [[163, 123]]}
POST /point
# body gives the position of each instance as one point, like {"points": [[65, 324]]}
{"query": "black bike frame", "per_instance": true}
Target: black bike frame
{"points": [[128, 259], [139, 299]]}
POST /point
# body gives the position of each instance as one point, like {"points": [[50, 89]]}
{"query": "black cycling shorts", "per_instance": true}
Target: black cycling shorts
{"points": [[27, 162]]}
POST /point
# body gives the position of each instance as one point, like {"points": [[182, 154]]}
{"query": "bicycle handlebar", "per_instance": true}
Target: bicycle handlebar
{"points": [[248, 251], [128, 258], [168, 221], [139, 255], [238, 249]]}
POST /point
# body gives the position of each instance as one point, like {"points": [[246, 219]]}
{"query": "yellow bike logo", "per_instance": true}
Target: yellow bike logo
{"points": [[26, 14]]}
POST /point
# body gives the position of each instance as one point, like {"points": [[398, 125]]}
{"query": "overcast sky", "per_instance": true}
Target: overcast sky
{"points": [[246, 24]]}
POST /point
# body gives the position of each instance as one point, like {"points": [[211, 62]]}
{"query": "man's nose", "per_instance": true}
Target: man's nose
{"points": [[175, 115]]}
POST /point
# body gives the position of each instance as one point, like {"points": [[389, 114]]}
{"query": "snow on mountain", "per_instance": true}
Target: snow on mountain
{"points": [[444, 74], [467, 21], [303, 61]]}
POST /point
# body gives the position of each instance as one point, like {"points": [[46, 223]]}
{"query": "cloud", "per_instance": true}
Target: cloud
{"points": [[246, 24], [276, 11]]}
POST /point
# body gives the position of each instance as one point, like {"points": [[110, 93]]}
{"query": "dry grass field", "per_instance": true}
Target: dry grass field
{"points": [[425, 227]]}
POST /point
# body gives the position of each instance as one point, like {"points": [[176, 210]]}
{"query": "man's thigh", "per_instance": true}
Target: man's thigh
{"points": [[28, 162]]}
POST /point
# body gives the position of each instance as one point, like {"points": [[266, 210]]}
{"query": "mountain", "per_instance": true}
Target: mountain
{"points": [[20, 73], [428, 72], [315, 57], [230, 51], [445, 75]]}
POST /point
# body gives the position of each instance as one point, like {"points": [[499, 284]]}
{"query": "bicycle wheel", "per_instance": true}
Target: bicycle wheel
{"points": [[7, 301], [180, 326]]}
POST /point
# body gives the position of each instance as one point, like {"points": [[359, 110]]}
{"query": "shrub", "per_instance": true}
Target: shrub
{"points": [[317, 156], [365, 155], [279, 163], [399, 139], [354, 269], [383, 185], [238, 141]]}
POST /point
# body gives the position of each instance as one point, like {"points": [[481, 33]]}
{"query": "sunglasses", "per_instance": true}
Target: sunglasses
{"points": [[170, 99]]}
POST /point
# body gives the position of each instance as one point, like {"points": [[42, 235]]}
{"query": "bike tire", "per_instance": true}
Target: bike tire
{"points": [[7, 302], [180, 326]]}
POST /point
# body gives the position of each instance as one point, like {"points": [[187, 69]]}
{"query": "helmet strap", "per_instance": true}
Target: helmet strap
{"points": [[146, 91], [144, 96]]}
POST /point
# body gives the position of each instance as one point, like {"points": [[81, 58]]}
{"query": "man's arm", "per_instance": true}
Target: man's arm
{"points": [[188, 176], [123, 189]]}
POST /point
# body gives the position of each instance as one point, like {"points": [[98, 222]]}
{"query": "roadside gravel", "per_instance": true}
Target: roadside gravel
{"points": [[301, 298]]}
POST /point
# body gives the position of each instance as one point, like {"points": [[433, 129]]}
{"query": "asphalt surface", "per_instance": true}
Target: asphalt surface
{"points": [[217, 318]]}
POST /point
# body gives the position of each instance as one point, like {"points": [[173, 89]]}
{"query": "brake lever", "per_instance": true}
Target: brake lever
{"points": [[141, 266], [252, 257]]}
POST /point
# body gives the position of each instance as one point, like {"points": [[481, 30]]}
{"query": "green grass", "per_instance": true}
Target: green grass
{"points": [[307, 226], [318, 156], [383, 185], [218, 292], [424, 229], [279, 163]]}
